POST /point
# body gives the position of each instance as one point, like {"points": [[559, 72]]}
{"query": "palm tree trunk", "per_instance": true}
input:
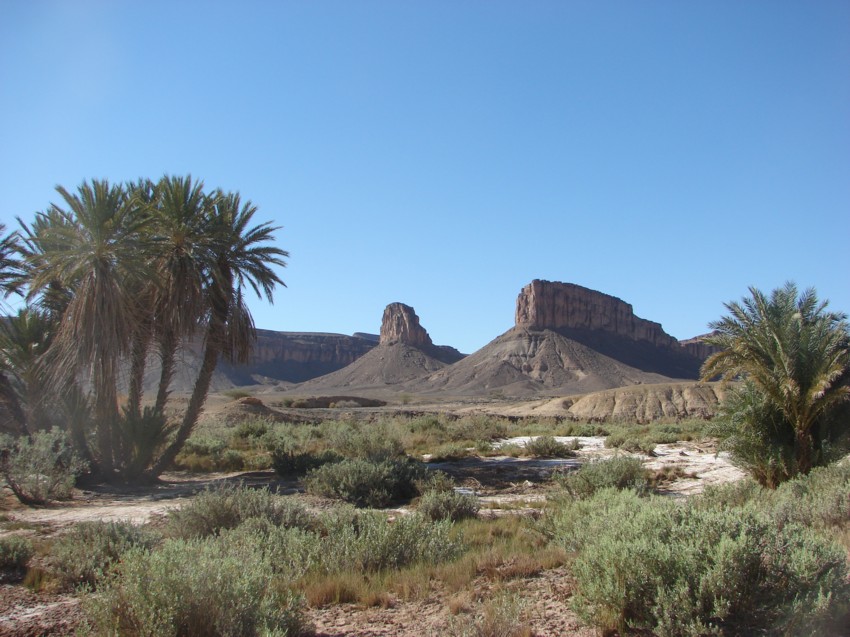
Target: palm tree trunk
{"points": [[106, 415], [167, 355], [138, 361], [212, 349], [803, 451]]}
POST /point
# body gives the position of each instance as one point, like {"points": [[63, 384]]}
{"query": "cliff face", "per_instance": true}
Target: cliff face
{"points": [[546, 305], [401, 325], [298, 356], [697, 347]]}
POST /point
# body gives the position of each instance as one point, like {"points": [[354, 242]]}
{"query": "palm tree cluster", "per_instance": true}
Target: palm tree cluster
{"points": [[116, 273], [789, 413]]}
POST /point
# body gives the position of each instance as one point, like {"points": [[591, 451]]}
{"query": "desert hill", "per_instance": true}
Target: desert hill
{"points": [[523, 362]]}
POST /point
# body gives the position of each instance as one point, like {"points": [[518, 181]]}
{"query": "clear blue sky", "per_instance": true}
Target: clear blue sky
{"points": [[444, 154]]}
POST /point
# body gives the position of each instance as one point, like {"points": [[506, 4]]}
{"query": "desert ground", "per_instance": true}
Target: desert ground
{"points": [[505, 486]]}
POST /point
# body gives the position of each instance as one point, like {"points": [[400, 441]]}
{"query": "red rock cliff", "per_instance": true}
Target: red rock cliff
{"points": [[401, 325], [550, 305]]}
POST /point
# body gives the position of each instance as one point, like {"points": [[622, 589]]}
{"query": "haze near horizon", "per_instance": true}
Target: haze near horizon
{"points": [[445, 154]]}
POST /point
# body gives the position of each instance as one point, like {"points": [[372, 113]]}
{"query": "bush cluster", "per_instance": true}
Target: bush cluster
{"points": [[548, 447], [653, 564], [620, 472], [207, 586], [228, 505], [448, 505], [40, 468], [366, 483], [15, 552], [85, 554]]}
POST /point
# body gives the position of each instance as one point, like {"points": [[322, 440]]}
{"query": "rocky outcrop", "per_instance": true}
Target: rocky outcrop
{"points": [[548, 305], [647, 403], [401, 325], [696, 346]]}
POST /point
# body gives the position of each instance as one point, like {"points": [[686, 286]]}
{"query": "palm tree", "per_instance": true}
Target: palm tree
{"points": [[795, 353], [10, 279], [185, 241], [241, 256], [95, 248]]}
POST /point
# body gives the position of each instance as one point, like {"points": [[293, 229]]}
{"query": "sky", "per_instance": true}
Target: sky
{"points": [[445, 154]]}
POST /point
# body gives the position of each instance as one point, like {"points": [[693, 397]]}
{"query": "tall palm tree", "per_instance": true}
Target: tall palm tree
{"points": [[94, 246], [184, 252], [793, 351], [241, 256], [10, 281]]}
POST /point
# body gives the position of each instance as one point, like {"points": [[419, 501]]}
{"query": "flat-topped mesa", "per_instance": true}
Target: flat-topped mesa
{"points": [[557, 306], [401, 325]]}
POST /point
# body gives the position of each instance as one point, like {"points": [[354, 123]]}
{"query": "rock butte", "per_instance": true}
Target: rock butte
{"points": [[566, 339]]}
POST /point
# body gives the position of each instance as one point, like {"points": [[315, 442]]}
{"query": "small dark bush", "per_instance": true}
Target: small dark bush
{"points": [[251, 429], [448, 505], [15, 552], [290, 463], [622, 472], [366, 483], [548, 447]]}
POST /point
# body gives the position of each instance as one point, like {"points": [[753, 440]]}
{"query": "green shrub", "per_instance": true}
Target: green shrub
{"points": [[228, 505], [622, 472], [251, 429], [41, 469], [630, 441], [15, 552], [448, 505], [652, 564], [548, 447], [371, 442], [206, 586], [369, 542], [288, 462], [86, 553], [366, 483]]}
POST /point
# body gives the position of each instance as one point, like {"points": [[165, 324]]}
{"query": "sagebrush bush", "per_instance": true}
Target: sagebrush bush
{"points": [[367, 541], [290, 462], [228, 505], [653, 564], [548, 447], [366, 483], [40, 469], [15, 552], [448, 505], [622, 472], [88, 551], [209, 586], [629, 441]]}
